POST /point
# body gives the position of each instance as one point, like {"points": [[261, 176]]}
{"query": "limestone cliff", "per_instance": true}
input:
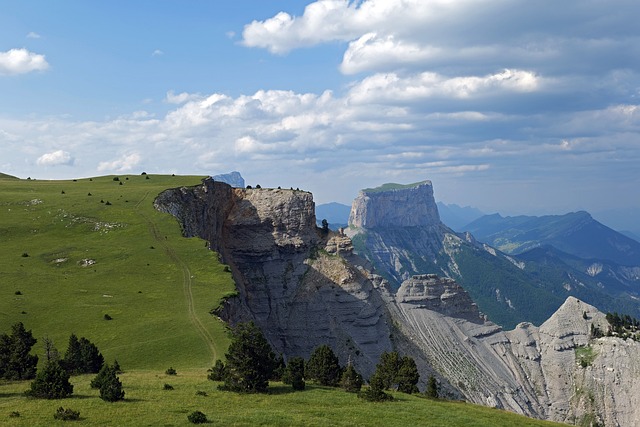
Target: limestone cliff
{"points": [[306, 288], [298, 293]]}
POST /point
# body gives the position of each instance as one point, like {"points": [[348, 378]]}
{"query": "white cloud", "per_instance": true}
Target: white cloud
{"points": [[180, 98], [55, 158], [124, 164], [157, 52], [21, 61], [33, 35]]}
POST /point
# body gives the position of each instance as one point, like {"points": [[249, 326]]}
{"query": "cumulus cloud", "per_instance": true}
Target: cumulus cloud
{"points": [[21, 61], [125, 163], [56, 158]]}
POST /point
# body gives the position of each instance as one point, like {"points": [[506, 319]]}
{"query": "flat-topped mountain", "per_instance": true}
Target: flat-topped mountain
{"points": [[395, 205]]}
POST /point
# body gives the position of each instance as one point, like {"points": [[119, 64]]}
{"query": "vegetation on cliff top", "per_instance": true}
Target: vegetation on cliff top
{"points": [[392, 186]]}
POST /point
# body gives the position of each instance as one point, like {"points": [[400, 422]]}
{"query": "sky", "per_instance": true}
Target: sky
{"points": [[510, 106]]}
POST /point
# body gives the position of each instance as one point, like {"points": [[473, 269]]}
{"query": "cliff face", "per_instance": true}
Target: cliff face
{"points": [[299, 295], [395, 205], [304, 289]]}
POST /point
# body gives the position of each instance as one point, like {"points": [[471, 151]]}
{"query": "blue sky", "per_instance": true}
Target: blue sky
{"points": [[507, 105]]}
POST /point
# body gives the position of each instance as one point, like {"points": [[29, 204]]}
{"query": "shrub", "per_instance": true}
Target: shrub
{"points": [[375, 391], [115, 178], [66, 414], [14, 414], [197, 417], [51, 383], [201, 393], [171, 371], [167, 387], [111, 388], [107, 317], [217, 372], [25, 255], [18, 292]]}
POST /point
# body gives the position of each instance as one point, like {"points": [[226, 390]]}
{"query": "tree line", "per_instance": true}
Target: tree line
{"points": [[52, 380], [251, 363]]}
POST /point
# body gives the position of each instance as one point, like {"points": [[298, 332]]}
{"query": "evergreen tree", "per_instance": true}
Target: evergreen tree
{"points": [[217, 372], [432, 388], [278, 372], [375, 391], [104, 373], [387, 369], [250, 360], [351, 380], [15, 361], [82, 357], [111, 387], [51, 383], [407, 376], [294, 373], [323, 366]]}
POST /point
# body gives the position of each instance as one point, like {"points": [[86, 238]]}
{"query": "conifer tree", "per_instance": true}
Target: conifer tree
{"points": [[323, 366], [294, 373], [52, 382], [111, 387], [15, 361], [351, 380], [250, 360]]}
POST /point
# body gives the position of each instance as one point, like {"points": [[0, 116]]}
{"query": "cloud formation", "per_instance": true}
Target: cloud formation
{"points": [[56, 158], [21, 61]]}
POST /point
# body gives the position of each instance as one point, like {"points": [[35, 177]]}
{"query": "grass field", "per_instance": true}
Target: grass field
{"points": [[72, 252], [148, 404]]}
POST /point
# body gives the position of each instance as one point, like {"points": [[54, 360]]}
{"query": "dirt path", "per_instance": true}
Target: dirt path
{"points": [[187, 279]]}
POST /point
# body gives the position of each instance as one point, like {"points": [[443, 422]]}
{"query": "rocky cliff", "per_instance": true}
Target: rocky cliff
{"points": [[300, 294], [306, 288], [395, 205]]}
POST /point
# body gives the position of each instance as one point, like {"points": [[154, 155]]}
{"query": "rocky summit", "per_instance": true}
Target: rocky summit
{"points": [[305, 286]]}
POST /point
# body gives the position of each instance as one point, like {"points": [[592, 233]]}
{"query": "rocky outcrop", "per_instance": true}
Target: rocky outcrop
{"points": [[394, 205], [300, 294], [234, 179], [306, 287]]}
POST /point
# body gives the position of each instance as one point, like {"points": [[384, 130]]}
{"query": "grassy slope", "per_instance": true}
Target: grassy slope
{"points": [[148, 293], [146, 400], [157, 285]]}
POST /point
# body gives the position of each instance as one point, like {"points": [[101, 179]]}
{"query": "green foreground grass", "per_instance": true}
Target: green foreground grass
{"points": [[157, 286], [148, 404]]}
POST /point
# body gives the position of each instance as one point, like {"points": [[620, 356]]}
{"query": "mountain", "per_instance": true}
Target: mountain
{"points": [[457, 217], [575, 233], [306, 287], [336, 214], [234, 179], [5, 176], [631, 235]]}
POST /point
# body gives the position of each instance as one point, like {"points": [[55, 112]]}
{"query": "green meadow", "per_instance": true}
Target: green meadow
{"points": [[74, 254], [148, 404]]}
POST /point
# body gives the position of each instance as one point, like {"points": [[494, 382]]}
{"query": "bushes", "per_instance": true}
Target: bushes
{"points": [[171, 371], [294, 373], [217, 372], [66, 414], [51, 383], [197, 417]]}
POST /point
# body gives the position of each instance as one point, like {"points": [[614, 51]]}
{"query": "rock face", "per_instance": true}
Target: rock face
{"points": [[234, 179], [300, 295], [395, 205], [306, 288]]}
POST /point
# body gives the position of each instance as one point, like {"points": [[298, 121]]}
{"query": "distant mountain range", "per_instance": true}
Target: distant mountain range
{"points": [[457, 217], [575, 233], [336, 214]]}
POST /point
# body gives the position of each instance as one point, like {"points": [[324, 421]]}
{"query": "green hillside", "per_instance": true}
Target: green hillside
{"points": [[75, 251], [147, 403]]}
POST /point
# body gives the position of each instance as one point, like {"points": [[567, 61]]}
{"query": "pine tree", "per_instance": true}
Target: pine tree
{"points": [[51, 383], [375, 391], [15, 361], [387, 369], [432, 388], [323, 366], [250, 360], [351, 380], [407, 377], [82, 357], [217, 372], [111, 387], [294, 373]]}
